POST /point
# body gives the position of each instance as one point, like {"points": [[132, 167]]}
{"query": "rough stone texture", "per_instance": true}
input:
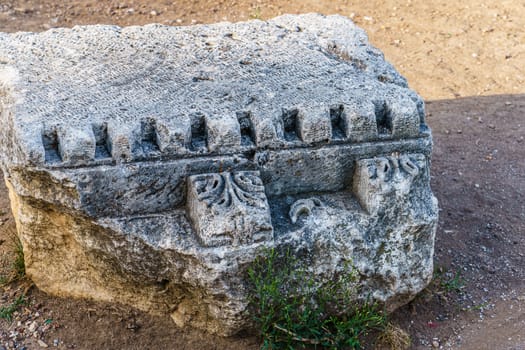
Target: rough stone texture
{"points": [[229, 208], [150, 165]]}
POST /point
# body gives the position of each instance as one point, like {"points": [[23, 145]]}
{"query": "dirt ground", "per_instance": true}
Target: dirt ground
{"points": [[467, 59]]}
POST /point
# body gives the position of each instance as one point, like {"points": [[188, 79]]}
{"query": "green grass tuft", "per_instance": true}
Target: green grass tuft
{"points": [[448, 282], [6, 312], [292, 310], [13, 265]]}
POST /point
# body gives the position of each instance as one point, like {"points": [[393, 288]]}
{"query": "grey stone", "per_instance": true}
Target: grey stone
{"points": [[376, 179], [229, 208], [151, 165], [304, 206], [223, 134], [314, 125], [359, 121], [173, 135], [75, 146]]}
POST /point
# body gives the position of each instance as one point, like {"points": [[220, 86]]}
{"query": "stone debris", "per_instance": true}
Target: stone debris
{"points": [[150, 165]]}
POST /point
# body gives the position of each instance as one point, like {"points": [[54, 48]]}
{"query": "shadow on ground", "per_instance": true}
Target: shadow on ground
{"points": [[478, 175]]}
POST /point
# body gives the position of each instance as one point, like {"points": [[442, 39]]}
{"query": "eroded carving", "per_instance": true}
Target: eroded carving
{"points": [[303, 207], [376, 178], [229, 208], [227, 189]]}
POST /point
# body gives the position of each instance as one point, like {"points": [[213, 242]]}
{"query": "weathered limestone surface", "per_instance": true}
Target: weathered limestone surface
{"points": [[150, 165]]}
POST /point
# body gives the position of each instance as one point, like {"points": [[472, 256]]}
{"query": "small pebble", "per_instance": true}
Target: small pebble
{"points": [[435, 344], [33, 326], [41, 343]]}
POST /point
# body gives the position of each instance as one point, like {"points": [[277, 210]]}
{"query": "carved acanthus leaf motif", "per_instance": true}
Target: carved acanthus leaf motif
{"points": [[229, 208], [225, 188]]}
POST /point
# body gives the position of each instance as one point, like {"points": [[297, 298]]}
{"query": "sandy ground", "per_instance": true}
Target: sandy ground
{"points": [[467, 59]]}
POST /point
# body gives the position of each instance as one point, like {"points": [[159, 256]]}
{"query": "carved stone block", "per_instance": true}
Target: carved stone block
{"points": [[314, 125], [223, 134], [402, 116], [266, 131], [123, 141], [360, 122], [379, 179], [76, 145], [154, 173], [173, 136], [229, 208]]}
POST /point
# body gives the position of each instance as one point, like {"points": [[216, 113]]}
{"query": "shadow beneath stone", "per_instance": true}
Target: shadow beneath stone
{"points": [[478, 176]]}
